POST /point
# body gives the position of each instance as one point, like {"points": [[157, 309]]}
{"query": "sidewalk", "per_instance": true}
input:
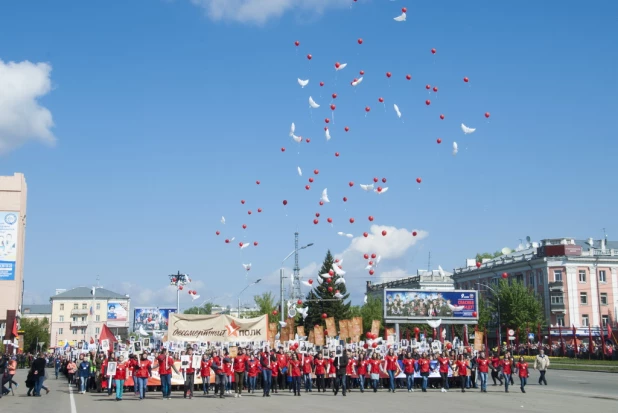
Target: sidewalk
{"points": [[57, 401]]}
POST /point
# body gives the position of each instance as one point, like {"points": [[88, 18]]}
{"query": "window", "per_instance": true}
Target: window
{"points": [[557, 275], [602, 276], [97, 330], [582, 276], [83, 331], [98, 318], [74, 319], [557, 299], [603, 298], [585, 321], [583, 298], [98, 306], [61, 319], [531, 282], [560, 320], [605, 320], [84, 306], [83, 318], [74, 331], [75, 306], [60, 331], [61, 307]]}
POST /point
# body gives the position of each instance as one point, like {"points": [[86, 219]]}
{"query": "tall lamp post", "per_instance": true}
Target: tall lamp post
{"points": [[243, 290], [179, 280], [281, 277], [499, 323]]}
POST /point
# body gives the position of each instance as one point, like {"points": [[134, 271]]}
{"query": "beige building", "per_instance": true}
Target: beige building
{"points": [[78, 315], [13, 193], [37, 311]]}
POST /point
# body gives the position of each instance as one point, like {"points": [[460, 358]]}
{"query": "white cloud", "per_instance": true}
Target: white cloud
{"points": [[394, 244], [260, 11], [21, 116]]}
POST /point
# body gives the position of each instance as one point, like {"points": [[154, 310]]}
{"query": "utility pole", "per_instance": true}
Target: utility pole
{"points": [[296, 294]]}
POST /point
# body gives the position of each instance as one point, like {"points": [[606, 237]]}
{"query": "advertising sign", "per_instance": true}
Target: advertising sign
{"points": [[452, 307], [9, 224], [117, 314], [151, 318], [218, 327]]}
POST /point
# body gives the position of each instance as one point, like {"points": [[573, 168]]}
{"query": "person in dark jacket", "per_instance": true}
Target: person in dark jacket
{"points": [[340, 364], [220, 376], [38, 369]]}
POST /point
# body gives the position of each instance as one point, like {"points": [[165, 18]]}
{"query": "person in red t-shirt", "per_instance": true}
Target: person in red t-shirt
{"points": [[483, 366], [445, 362], [165, 363], [253, 369], [307, 361], [409, 365], [361, 367], [506, 364], [375, 365], [282, 362], [522, 369], [120, 376], [495, 369], [294, 370], [350, 371], [462, 371], [189, 375], [331, 370], [424, 365], [240, 367], [276, 372], [144, 371], [391, 368], [320, 369], [205, 373]]}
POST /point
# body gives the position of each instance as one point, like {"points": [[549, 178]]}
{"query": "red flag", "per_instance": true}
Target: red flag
{"points": [[15, 332], [106, 334], [610, 333]]}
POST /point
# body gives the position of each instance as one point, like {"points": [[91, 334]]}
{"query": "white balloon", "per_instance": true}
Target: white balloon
{"points": [[397, 111], [297, 139], [312, 103], [455, 149], [358, 82], [327, 133], [303, 83], [341, 66], [300, 172], [466, 129], [325, 195], [292, 129], [400, 18], [367, 187]]}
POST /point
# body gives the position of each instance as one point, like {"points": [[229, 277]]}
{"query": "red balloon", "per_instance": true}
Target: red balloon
{"points": [[427, 87], [315, 221], [439, 140], [321, 83], [255, 243], [346, 129], [317, 214], [362, 72], [370, 218], [334, 95], [433, 51], [351, 220], [324, 315], [478, 265], [240, 244], [388, 74], [366, 256], [327, 120], [259, 209], [466, 79], [351, 184], [384, 233], [337, 65], [244, 226], [416, 330], [442, 117], [227, 241], [435, 89], [379, 189], [321, 203], [428, 102], [360, 41], [299, 302], [373, 256], [367, 109], [505, 275], [330, 220], [316, 171], [380, 100], [404, 10], [331, 272], [365, 346], [297, 43], [330, 289], [310, 179], [374, 345], [282, 149], [309, 57], [383, 180], [418, 180], [365, 234], [375, 179], [414, 233], [487, 115], [371, 272], [408, 77], [474, 314], [337, 154], [242, 201], [307, 187], [257, 182], [333, 107], [310, 281], [307, 140], [285, 202], [275, 312], [345, 199], [449, 346], [217, 233]]}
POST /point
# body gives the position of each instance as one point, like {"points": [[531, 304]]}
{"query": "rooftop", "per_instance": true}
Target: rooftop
{"points": [[42, 309], [86, 293], [422, 276]]}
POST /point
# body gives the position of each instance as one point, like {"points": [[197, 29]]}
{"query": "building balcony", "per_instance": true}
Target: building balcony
{"points": [[79, 323], [79, 311], [557, 307], [556, 286]]}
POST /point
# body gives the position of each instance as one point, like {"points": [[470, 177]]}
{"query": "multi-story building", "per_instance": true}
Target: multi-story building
{"points": [[37, 311], [79, 314], [13, 194], [432, 280], [576, 280]]}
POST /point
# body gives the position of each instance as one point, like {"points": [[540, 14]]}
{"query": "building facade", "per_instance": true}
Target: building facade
{"points": [[37, 311], [430, 280], [79, 314], [13, 195], [576, 280]]}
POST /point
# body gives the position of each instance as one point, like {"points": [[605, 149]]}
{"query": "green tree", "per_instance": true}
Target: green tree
{"points": [[519, 307], [317, 304], [372, 310], [35, 331], [205, 309], [487, 255], [265, 303]]}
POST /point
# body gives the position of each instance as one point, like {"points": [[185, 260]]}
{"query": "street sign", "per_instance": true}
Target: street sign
{"points": [[511, 332], [530, 336]]}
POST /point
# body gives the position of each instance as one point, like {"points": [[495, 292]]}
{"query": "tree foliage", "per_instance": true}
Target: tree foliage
{"points": [[265, 303], [487, 256], [519, 307], [340, 309], [205, 309], [35, 331]]}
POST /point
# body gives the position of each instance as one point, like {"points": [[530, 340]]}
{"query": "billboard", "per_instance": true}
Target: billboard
{"points": [[9, 224], [117, 314], [151, 318], [218, 327], [452, 307]]}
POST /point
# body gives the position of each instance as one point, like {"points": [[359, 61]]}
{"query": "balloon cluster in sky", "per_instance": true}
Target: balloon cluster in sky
{"points": [[316, 105]]}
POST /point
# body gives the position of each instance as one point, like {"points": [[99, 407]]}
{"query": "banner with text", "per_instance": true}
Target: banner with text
{"points": [[9, 225], [218, 328], [452, 307]]}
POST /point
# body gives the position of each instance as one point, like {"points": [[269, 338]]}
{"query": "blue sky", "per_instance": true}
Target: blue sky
{"points": [[167, 112]]}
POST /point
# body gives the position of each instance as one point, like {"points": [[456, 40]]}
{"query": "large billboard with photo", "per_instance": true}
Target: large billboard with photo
{"points": [[151, 318], [117, 314], [9, 225], [452, 307]]}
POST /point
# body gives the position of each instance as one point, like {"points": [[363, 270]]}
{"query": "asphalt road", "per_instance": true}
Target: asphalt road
{"points": [[566, 392]]}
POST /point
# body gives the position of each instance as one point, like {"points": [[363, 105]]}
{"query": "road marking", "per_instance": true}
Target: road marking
{"points": [[72, 398]]}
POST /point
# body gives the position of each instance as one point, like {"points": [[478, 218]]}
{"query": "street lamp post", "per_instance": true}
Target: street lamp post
{"points": [[499, 322], [281, 277], [239, 294], [178, 280]]}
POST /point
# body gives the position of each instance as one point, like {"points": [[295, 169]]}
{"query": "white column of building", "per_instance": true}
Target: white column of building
{"points": [[544, 279], [594, 295], [571, 279], [614, 291]]}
